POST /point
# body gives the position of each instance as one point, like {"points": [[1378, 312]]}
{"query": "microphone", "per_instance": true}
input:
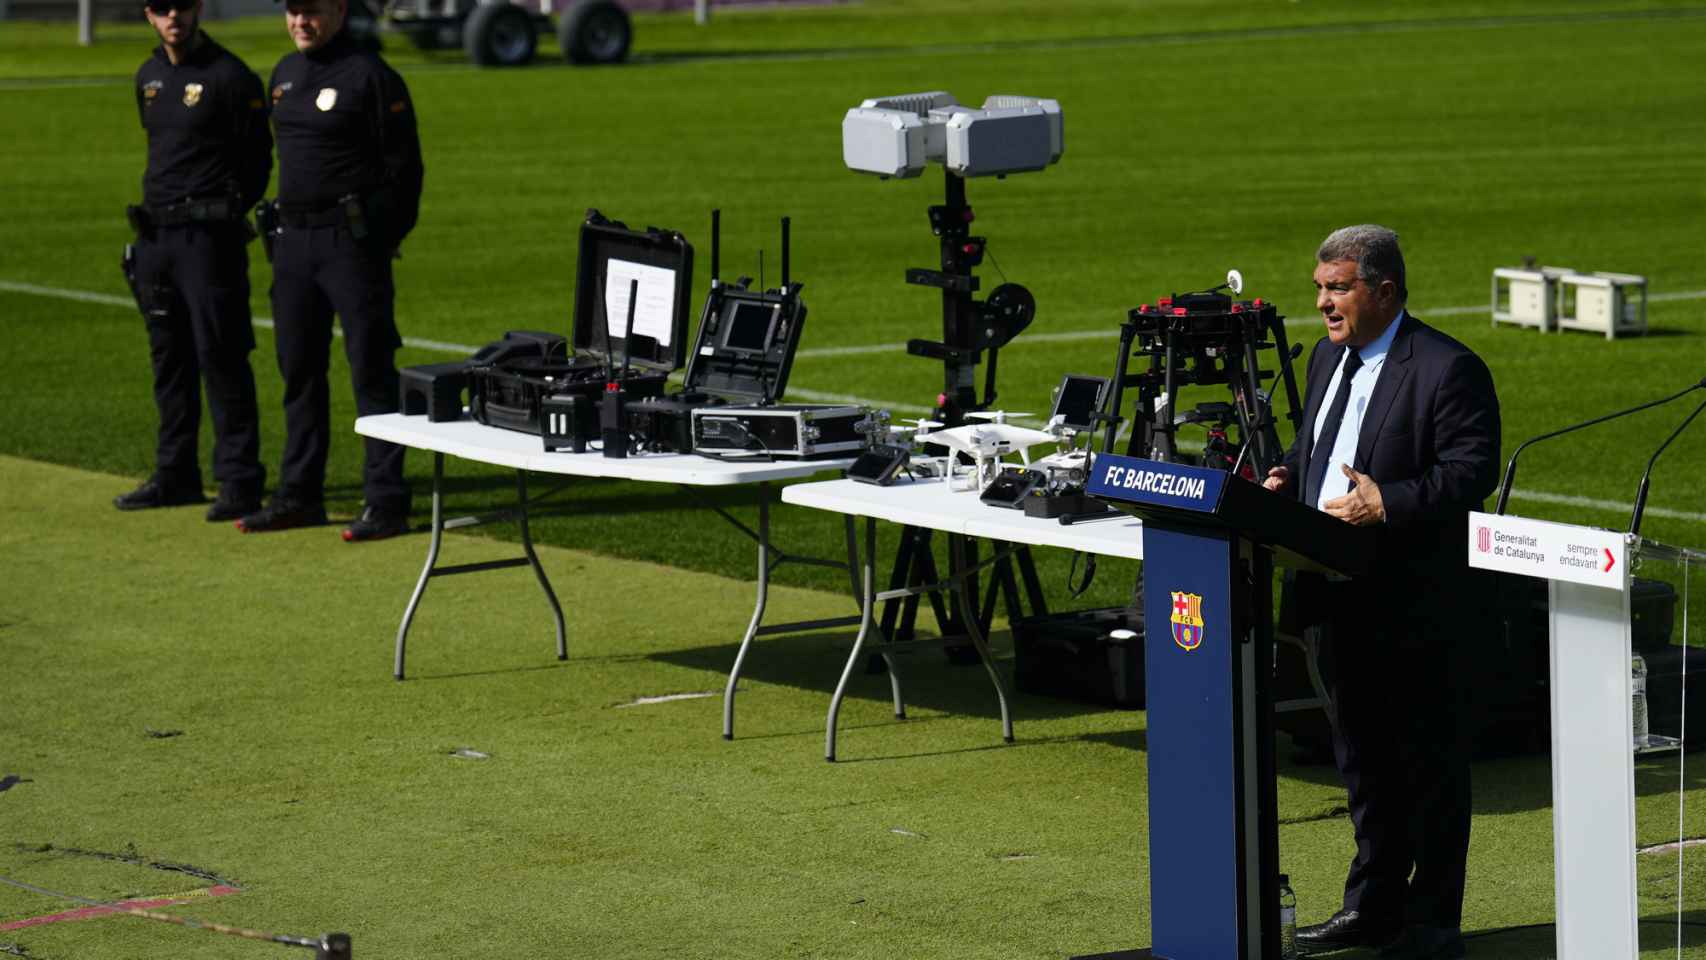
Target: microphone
{"points": [[1510, 466], [1641, 495]]}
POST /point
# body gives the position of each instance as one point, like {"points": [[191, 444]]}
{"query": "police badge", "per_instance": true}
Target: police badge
{"points": [[1187, 620], [327, 99], [192, 94]]}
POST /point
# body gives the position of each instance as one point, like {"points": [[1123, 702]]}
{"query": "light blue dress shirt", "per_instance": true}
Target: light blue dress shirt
{"points": [[1344, 451]]}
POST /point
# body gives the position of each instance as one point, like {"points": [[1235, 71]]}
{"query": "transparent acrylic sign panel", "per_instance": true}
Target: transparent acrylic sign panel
{"points": [[1667, 603]]}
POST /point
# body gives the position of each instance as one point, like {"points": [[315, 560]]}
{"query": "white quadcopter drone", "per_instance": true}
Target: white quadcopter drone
{"points": [[987, 444]]}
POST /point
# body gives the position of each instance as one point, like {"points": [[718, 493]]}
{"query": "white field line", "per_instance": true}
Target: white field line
{"points": [[265, 323], [1572, 500], [1110, 332], [85, 296], [666, 698]]}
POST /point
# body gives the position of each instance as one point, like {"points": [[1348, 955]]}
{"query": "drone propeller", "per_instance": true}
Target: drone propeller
{"points": [[921, 425], [995, 416]]}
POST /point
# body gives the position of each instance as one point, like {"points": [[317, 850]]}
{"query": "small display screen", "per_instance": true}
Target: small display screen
{"points": [[1010, 488], [748, 326], [1078, 399], [878, 465]]}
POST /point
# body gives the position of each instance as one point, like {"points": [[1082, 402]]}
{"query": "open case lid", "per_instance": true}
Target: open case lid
{"points": [[745, 346], [611, 258]]}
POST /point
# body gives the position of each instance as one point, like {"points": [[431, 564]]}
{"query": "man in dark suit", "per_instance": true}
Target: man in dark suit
{"points": [[1400, 430]]}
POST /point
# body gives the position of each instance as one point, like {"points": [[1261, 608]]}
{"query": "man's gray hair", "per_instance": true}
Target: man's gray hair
{"points": [[1375, 250]]}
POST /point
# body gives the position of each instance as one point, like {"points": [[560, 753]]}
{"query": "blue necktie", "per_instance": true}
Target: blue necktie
{"points": [[1323, 449]]}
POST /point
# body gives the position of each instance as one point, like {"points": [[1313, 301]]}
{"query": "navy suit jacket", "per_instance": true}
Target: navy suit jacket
{"points": [[1430, 439]]}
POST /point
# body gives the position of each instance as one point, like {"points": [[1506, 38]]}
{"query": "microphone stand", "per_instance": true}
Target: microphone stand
{"points": [[1510, 466], [1641, 495]]}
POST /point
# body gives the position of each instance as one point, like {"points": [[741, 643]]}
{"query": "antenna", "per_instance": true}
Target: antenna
{"points": [[628, 331], [612, 415], [784, 254], [716, 246], [604, 326]]}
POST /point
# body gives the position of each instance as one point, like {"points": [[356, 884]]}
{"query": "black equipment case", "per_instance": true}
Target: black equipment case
{"points": [[742, 354], [600, 349], [436, 389], [1092, 656], [805, 431]]}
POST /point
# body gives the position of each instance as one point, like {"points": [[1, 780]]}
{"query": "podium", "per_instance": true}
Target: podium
{"points": [[1590, 573], [1210, 545]]}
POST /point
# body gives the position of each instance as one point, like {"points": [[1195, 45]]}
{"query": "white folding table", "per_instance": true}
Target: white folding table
{"points": [[522, 452], [933, 505]]}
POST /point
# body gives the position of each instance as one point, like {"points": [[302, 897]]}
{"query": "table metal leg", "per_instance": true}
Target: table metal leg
{"points": [[432, 569], [858, 594], [959, 551], [757, 609], [771, 556], [533, 559], [852, 555], [431, 559], [867, 596]]}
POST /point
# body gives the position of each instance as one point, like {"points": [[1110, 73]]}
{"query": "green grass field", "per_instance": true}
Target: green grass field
{"points": [[1200, 136]]}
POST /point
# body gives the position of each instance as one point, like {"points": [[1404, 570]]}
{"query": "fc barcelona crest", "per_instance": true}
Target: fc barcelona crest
{"points": [[192, 94], [1187, 620]]}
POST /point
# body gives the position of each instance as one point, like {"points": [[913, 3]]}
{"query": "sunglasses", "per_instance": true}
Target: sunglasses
{"points": [[162, 7]]}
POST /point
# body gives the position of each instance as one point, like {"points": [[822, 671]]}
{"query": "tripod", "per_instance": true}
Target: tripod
{"points": [[969, 328]]}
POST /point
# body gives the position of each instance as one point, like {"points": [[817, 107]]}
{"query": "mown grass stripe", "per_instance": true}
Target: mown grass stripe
{"points": [[820, 396], [1063, 336], [1044, 44]]}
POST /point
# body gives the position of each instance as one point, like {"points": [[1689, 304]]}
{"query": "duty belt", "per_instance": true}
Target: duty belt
{"points": [[195, 211], [301, 217]]}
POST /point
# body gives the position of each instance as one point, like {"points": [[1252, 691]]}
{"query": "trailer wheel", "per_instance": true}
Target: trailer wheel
{"points": [[363, 29], [595, 31], [499, 35]]}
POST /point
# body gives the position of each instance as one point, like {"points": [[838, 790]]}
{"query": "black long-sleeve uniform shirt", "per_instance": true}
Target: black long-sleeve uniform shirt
{"points": [[346, 125], [206, 120]]}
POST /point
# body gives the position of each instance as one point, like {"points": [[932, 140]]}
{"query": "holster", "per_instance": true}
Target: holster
{"points": [[153, 302], [267, 225], [141, 222], [372, 221]]}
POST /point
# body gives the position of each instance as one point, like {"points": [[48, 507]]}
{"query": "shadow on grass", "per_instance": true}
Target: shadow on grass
{"points": [[1018, 742], [1136, 740], [1522, 784], [465, 674], [555, 664], [1539, 941], [927, 681]]}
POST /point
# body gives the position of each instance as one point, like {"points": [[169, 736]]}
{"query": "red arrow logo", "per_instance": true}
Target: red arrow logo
{"points": [[1609, 559]]}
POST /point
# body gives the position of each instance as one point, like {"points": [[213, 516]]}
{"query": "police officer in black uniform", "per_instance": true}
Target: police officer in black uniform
{"points": [[209, 156], [349, 188]]}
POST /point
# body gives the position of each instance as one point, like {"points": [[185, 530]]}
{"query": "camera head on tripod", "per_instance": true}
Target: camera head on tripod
{"points": [[898, 137]]}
